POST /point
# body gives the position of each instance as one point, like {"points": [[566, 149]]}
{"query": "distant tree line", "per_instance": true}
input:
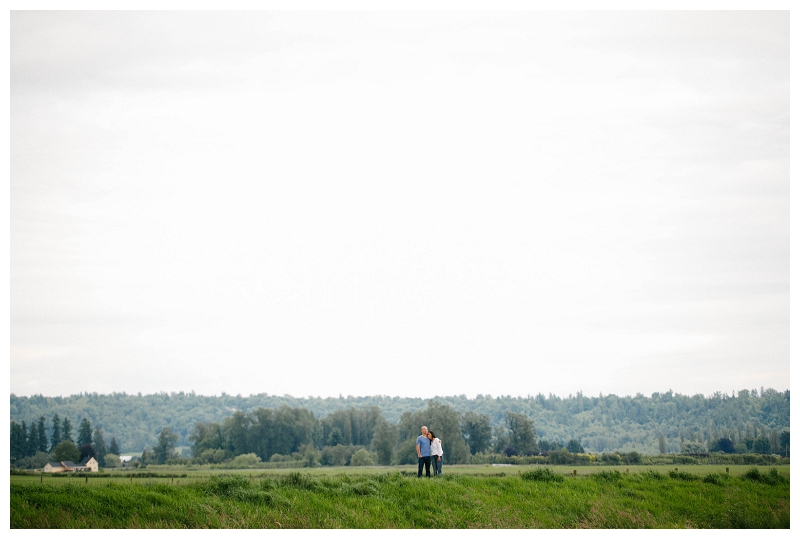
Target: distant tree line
{"points": [[655, 424], [356, 437]]}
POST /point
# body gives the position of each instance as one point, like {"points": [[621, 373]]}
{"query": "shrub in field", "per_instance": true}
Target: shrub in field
{"points": [[298, 480], [542, 474], [339, 455], [213, 456], [752, 474], [224, 484], [716, 478], [248, 460], [611, 458], [774, 478], [268, 483], [631, 458], [759, 459], [683, 476], [770, 478], [609, 476], [653, 475], [362, 457]]}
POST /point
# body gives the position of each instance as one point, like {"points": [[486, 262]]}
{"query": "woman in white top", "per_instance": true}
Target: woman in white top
{"points": [[436, 453]]}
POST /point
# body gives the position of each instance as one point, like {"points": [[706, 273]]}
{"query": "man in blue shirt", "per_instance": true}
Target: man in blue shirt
{"points": [[424, 453]]}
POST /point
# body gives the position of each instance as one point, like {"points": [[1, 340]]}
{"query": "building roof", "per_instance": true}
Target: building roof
{"points": [[86, 460], [68, 463], [55, 464]]}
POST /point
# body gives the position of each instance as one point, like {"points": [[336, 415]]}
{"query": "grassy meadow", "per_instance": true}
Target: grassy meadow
{"points": [[384, 497]]}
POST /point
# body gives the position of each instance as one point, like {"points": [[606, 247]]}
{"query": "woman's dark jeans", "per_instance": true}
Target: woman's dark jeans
{"points": [[437, 464]]}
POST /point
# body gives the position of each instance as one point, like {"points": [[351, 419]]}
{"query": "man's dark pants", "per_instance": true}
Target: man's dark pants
{"points": [[427, 462]]}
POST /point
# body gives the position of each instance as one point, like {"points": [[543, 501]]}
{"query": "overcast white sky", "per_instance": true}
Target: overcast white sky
{"points": [[412, 204]]}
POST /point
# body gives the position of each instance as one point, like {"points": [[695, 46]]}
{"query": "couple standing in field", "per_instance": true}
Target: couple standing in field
{"points": [[429, 447]]}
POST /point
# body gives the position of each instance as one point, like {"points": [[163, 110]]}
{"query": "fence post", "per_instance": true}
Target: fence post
{"points": [[727, 470], [574, 473]]}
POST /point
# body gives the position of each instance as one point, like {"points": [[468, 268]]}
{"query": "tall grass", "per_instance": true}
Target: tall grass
{"points": [[538, 498]]}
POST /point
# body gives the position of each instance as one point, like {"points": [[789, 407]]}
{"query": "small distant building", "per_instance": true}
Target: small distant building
{"points": [[88, 464], [54, 467], [124, 459]]}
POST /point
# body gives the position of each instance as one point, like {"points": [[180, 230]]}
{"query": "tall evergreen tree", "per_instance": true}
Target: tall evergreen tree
{"points": [[66, 431], [113, 448], [55, 437], [41, 434], [86, 451], [17, 441], [100, 447], [84, 433], [31, 441]]}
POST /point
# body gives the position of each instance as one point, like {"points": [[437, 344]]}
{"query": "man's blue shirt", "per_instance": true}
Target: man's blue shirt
{"points": [[424, 446]]}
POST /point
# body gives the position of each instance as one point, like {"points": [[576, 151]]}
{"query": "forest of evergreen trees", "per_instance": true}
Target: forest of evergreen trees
{"points": [[660, 423]]}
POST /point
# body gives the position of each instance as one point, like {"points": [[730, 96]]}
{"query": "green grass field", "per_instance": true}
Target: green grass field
{"points": [[184, 474], [466, 497]]}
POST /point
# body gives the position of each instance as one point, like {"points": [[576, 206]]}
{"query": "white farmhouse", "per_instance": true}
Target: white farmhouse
{"points": [[88, 464]]}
